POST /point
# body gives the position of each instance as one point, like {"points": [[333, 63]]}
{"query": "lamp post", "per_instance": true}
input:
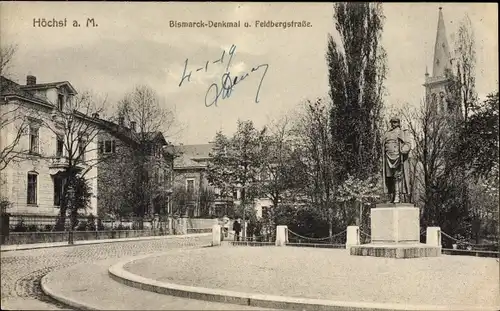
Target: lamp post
{"points": [[71, 196]]}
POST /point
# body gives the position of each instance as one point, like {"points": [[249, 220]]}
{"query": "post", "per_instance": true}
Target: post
{"points": [[244, 233], [71, 195], [352, 236], [281, 235], [216, 235], [433, 236]]}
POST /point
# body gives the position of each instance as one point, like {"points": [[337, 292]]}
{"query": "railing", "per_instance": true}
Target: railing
{"points": [[58, 162], [338, 241]]}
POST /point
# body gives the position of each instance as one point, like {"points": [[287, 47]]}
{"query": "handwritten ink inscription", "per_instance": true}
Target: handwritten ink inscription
{"points": [[228, 81]]}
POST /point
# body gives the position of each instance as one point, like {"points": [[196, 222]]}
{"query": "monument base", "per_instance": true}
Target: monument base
{"points": [[396, 250], [395, 233]]}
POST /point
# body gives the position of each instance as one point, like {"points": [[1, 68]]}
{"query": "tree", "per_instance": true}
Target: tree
{"points": [[12, 118], [363, 192], [181, 197], [429, 132], [280, 177], [477, 153], [14, 123], [206, 200], [77, 127], [235, 162], [478, 139], [314, 140], [7, 52], [357, 70], [142, 166], [462, 89]]}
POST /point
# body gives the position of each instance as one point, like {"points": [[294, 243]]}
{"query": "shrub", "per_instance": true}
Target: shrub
{"points": [[82, 226], [91, 223], [32, 228], [100, 226], [49, 228], [20, 226]]}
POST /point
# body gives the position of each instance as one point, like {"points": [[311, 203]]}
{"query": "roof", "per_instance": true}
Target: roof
{"points": [[51, 85], [192, 156], [11, 88]]}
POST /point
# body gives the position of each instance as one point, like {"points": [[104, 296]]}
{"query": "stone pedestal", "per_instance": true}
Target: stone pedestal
{"points": [[352, 236], [216, 235], [281, 235], [395, 233], [182, 226], [433, 236]]}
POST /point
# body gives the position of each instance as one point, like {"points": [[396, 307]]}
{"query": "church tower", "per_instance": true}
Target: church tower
{"points": [[435, 85]]}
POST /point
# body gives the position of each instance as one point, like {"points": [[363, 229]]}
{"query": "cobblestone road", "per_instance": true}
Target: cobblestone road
{"points": [[21, 271]]}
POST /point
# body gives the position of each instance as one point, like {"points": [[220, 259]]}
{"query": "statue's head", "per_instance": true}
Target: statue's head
{"points": [[395, 122]]}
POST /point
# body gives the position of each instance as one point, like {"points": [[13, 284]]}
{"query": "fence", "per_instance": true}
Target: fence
{"points": [[338, 241], [29, 229]]}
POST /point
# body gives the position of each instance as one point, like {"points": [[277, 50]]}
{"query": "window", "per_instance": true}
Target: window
{"points": [[60, 101], [434, 102], [81, 148], [59, 146], [34, 139], [32, 187], [100, 147], [108, 146], [190, 185], [235, 194], [58, 190]]}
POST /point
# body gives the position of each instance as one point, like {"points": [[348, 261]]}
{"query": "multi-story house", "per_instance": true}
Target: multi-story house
{"points": [[35, 147], [123, 150], [190, 168]]}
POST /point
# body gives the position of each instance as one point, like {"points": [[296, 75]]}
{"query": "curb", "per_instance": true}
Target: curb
{"points": [[61, 298], [85, 306], [20, 247], [119, 274]]}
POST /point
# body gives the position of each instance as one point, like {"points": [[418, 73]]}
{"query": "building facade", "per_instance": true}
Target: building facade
{"points": [[190, 169], [35, 147], [135, 168]]}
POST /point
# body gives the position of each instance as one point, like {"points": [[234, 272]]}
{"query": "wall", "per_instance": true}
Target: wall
{"points": [[15, 175]]}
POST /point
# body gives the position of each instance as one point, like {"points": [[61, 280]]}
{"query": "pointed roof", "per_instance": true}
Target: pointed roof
{"points": [[442, 57], [38, 86]]}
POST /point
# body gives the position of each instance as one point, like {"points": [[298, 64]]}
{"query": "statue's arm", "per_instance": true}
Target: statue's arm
{"points": [[405, 142]]}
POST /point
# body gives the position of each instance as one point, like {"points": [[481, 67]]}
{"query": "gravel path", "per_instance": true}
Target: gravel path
{"points": [[331, 274], [21, 271]]}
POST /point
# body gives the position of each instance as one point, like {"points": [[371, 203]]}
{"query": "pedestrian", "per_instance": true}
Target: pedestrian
{"points": [[237, 229]]}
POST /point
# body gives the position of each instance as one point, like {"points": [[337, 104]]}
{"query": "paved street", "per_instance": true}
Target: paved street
{"points": [[21, 271]]}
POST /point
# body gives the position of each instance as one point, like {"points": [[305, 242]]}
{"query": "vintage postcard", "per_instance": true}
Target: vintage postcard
{"points": [[236, 155]]}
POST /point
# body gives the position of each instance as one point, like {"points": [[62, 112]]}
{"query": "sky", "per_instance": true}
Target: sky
{"points": [[134, 44]]}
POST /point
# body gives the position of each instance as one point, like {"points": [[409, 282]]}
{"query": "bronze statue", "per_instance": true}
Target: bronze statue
{"points": [[396, 147]]}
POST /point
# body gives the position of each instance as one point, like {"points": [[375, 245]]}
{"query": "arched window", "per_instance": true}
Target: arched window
{"points": [[32, 188], [434, 102], [442, 103]]}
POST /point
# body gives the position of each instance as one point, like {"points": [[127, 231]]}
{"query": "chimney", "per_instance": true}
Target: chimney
{"points": [[132, 125], [30, 80], [121, 121], [95, 115]]}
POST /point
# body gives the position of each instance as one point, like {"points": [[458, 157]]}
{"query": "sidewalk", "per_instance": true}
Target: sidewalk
{"points": [[6, 248], [89, 287]]}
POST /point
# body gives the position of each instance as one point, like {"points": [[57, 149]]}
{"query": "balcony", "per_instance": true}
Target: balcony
{"points": [[58, 164]]}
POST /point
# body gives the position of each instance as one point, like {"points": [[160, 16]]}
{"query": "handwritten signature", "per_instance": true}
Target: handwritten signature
{"points": [[227, 85], [214, 91]]}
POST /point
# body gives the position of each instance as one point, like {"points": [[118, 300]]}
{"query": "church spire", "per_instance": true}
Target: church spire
{"points": [[442, 56]]}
